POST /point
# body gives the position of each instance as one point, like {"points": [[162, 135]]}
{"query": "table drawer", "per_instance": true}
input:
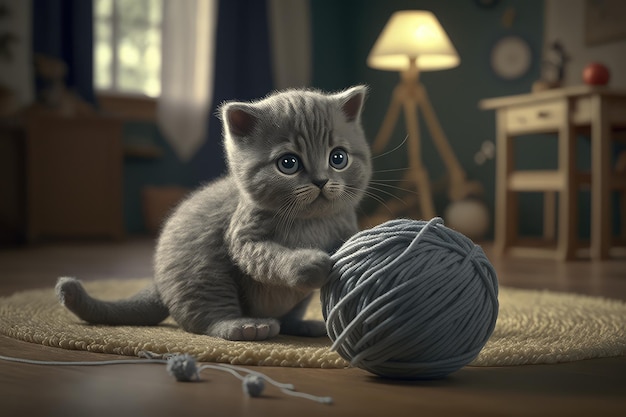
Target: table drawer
{"points": [[535, 118]]}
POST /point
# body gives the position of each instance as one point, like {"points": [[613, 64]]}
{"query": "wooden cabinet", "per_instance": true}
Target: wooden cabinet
{"points": [[68, 181], [74, 177]]}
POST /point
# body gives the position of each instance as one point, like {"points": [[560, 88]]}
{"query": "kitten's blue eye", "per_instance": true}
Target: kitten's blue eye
{"points": [[338, 158], [289, 164]]}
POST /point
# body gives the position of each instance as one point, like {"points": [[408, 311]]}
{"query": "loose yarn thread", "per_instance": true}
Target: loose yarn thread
{"points": [[184, 368], [410, 299]]}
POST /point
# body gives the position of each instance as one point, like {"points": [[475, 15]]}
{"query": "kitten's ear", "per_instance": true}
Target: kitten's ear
{"points": [[239, 119], [352, 102]]}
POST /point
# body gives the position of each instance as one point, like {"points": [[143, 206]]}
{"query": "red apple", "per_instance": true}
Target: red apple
{"points": [[596, 74]]}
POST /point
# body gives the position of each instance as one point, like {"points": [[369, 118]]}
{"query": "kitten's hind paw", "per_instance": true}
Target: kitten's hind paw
{"points": [[245, 329]]}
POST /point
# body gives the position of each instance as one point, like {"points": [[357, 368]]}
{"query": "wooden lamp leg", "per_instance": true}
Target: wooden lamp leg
{"points": [[411, 96], [391, 118]]}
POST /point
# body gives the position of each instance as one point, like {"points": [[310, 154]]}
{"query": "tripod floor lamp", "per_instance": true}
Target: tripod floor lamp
{"points": [[413, 41]]}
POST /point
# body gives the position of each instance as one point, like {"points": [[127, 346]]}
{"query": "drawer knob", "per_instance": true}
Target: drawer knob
{"points": [[543, 114]]}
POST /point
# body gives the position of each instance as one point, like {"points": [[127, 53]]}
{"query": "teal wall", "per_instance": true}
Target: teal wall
{"points": [[343, 34], [165, 170]]}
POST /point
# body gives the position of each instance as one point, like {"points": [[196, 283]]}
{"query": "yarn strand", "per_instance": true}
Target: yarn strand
{"points": [[183, 367]]}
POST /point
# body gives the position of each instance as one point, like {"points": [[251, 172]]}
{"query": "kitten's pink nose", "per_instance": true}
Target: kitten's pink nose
{"points": [[319, 183]]}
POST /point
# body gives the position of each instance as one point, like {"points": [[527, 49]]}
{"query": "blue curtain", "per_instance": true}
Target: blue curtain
{"points": [[64, 29], [242, 71]]}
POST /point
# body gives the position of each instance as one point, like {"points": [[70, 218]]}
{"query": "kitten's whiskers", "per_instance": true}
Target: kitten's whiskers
{"points": [[380, 190], [394, 149], [286, 214], [382, 184], [352, 192], [391, 170]]}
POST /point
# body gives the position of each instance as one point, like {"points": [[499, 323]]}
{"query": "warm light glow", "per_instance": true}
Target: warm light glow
{"points": [[413, 34]]}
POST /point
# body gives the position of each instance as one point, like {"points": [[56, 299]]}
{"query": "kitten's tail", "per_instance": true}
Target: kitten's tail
{"points": [[142, 309]]}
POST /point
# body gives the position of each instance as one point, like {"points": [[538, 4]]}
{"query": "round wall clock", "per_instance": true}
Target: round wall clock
{"points": [[511, 57]]}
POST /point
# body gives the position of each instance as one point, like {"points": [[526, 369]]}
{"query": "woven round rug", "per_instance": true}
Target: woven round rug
{"points": [[533, 327]]}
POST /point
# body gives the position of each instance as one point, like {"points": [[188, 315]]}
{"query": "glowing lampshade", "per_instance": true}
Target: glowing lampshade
{"points": [[413, 34]]}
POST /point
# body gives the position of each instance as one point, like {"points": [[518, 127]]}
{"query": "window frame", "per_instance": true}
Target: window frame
{"points": [[127, 104]]}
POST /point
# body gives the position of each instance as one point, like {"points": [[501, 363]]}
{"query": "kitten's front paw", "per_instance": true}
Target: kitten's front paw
{"points": [[310, 268]]}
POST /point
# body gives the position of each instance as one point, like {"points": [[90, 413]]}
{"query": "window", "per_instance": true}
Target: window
{"points": [[127, 46]]}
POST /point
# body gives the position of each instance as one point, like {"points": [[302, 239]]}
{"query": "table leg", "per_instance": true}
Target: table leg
{"points": [[568, 197], [506, 218], [600, 178]]}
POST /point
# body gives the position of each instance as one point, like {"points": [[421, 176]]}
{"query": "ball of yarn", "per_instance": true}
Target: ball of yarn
{"points": [[410, 299]]}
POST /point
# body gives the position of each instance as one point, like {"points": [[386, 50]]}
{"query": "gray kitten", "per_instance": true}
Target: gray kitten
{"points": [[240, 258]]}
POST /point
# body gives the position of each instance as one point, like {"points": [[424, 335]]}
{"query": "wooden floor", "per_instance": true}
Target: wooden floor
{"points": [[585, 388]]}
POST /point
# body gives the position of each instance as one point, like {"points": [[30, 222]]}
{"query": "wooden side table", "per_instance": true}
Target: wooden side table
{"points": [[560, 111]]}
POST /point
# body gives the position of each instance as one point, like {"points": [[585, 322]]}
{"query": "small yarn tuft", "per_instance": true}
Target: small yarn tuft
{"points": [[182, 367], [410, 299], [253, 385]]}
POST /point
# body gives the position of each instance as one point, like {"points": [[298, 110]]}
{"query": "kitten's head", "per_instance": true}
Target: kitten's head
{"points": [[301, 152]]}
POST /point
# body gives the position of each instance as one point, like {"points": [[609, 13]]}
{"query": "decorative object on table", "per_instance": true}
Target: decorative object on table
{"points": [[54, 97], [596, 73], [553, 68], [413, 41]]}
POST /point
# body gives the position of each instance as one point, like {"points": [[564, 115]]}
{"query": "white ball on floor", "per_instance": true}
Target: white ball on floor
{"points": [[469, 216]]}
